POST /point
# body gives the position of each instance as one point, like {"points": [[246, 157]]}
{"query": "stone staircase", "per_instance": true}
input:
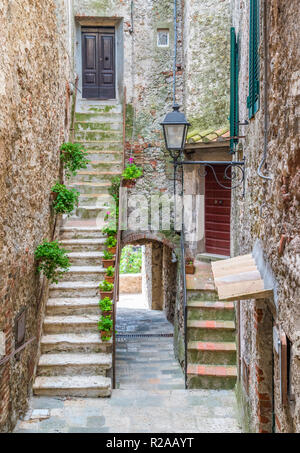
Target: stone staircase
{"points": [[74, 361], [211, 353]]}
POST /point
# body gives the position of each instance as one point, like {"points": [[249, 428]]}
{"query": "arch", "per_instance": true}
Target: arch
{"points": [[146, 237]]}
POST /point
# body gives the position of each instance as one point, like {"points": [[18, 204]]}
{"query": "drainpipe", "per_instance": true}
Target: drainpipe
{"points": [[266, 90]]}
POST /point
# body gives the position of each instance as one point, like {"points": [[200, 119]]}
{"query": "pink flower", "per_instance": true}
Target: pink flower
{"points": [[108, 212], [131, 160]]}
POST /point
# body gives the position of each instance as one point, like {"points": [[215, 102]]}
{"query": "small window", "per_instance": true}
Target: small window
{"points": [[20, 325], [163, 37]]}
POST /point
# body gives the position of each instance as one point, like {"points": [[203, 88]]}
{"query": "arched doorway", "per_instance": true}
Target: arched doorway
{"points": [[144, 321]]}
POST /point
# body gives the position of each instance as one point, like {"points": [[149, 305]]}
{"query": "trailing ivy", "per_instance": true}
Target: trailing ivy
{"points": [[74, 157], [66, 200], [52, 260]]}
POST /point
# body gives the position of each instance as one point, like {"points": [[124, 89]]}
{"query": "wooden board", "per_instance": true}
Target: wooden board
{"points": [[238, 278]]}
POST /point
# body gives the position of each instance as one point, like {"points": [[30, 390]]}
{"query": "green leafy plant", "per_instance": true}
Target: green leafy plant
{"points": [[110, 271], [110, 242], [106, 286], [109, 231], [74, 157], [66, 199], [107, 255], [105, 304], [114, 188], [131, 260], [132, 171], [52, 260], [105, 323]]}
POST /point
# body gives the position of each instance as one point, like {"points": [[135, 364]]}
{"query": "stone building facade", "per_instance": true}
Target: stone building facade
{"points": [[267, 218], [34, 122]]}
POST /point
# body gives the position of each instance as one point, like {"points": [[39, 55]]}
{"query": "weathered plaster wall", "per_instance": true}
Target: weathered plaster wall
{"points": [[270, 209], [206, 62], [34, 99]]}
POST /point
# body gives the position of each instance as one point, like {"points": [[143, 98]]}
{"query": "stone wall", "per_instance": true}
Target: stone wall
{"points": [[206, 62], [34, 120], [269, 212]]}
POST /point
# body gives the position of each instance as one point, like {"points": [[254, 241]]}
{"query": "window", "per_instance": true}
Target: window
{"points": [[253, 97], [234, 90], [163, 37]]}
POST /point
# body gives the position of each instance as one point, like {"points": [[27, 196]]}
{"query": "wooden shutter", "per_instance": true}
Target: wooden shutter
{"points": [[234, 100], [253, 97]]}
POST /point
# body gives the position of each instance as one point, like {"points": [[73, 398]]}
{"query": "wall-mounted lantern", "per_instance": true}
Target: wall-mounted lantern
{"points": [[175, 127]]}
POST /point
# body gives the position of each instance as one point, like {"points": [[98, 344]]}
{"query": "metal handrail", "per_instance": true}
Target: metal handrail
{"points": [[118, 253], [74, 108], [16, 351]]}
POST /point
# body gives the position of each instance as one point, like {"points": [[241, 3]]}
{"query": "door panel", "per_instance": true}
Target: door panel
{"points": [[89, 65], [98, 63], [217, 212]]}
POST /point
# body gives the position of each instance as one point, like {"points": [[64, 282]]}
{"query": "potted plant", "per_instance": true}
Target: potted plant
{"points": [[105, 326], [106, 289], [108, 259], [109, 231], [52, 260], [130, 174], [74, 157], [189, 266], [110, 274], [111, 243], [64, 200], [105, 305]]}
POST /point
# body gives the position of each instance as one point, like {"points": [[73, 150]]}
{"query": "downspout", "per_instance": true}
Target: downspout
{"points": [[175, 52], [266, 90]]}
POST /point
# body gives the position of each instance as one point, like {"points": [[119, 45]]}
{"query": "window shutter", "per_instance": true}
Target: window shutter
{"points": [[253, 98], [234, 99]]}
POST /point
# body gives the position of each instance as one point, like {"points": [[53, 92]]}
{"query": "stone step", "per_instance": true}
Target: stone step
{"points": [[200, 330], [202, 295], [100, 117], [71, 324], [72, 364], [91, 187], [108, 126], [207, 310], [84, 273], [60, 306], [87, 106], [212, 352], [95, 176], [103, 145], [75, 342], [104, 166], [211, 376], [81, 245], [110, 156], [89, 212], [98, 135], [95, 199], [74, 289], [85, 258], [76, 386], [80, 233]]}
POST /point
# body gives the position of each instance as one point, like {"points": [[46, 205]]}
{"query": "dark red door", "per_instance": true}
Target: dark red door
{"points": [[98, 63], [217, 212]]}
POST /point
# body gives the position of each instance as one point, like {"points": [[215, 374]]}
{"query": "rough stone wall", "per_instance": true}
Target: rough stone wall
{"points": [[169, 286], [206, 62], [270, 209], [34, 99]]}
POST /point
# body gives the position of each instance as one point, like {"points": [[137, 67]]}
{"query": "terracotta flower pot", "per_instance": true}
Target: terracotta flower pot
{"points": [[106, 294], [53, 196], [109, 279], [107, 313], [104, 333], [112, 250], [107, 263], [129, 183], [189, 269]]}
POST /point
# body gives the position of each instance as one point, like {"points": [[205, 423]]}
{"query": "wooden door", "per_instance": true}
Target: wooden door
{"points": [[98, 63], [217, 212]]}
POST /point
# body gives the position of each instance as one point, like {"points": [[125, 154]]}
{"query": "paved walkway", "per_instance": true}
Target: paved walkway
{"points": [[150, 396]]}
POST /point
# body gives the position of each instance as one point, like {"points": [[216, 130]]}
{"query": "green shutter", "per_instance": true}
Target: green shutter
{"points": [[253, 97], [234, 98]]}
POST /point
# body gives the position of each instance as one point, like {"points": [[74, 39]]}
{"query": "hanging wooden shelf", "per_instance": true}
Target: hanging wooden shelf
{"points": [[239, 278]]}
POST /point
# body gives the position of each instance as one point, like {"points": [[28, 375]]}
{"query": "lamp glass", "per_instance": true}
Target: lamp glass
{"points": [[174, 135]]}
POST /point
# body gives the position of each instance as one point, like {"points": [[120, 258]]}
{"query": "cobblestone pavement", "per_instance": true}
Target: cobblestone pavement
{"points": [[150, 395]]}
